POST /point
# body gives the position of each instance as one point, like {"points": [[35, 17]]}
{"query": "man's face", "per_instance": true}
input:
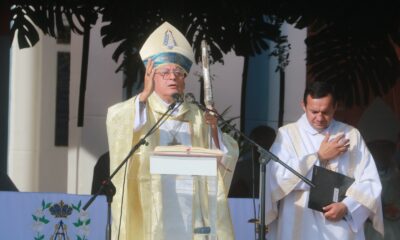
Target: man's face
{"points": [[319, 111], [169, 79]]}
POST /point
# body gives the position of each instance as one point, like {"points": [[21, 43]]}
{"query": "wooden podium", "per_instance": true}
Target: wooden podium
{"points": [[189, 179]]}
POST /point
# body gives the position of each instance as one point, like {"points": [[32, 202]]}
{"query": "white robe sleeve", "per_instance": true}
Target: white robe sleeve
{"points": [[357, 214], [222, 146], [140, 110]]}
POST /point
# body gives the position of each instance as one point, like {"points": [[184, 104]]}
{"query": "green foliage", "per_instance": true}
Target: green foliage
{"points": [[39, 237], [350, 45], [78, 223], [227, 127], [44, 220], [45, 205], [78, 207]]}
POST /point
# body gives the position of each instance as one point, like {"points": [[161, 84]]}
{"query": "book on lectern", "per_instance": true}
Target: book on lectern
{"points": [[185, 160], [329, 187], [182, 150]]}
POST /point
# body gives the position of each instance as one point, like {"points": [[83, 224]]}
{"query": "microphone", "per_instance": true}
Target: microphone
{"points": [[177, 98], [189, 98]]}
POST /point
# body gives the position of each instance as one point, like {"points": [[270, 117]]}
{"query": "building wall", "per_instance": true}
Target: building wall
{"points": [[34, 162], [262, 93], [295, 73], [26, 74], [104, 88]]}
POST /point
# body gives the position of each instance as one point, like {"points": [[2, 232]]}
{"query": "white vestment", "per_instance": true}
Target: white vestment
{"points": [[154, 207], [287, 214]]}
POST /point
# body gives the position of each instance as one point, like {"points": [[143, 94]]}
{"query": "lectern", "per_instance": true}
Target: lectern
{"points": [[189, 179]]}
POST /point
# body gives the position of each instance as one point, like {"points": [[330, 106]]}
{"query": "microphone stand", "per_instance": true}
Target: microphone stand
{"points": [[107, 186], [265, 157]]}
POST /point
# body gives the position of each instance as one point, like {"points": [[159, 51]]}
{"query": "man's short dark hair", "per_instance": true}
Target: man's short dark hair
{"points": [[318, 89]]}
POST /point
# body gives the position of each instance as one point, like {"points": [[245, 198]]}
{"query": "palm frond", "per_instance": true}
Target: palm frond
{"points": [[51, 17], [351, 44], [24, 28], [359, 67]]}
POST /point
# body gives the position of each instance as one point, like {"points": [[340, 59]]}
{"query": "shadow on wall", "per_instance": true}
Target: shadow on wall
{"points": [[245, 182], [6, 184], [101, 172]]}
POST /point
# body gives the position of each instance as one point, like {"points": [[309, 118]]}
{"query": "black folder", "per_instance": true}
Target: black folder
{"points": [[329, 187]]}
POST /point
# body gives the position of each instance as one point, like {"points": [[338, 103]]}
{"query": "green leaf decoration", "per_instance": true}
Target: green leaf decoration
{"points": [[87, 222], [45, 205], [77, 208], [79, 237], [34, 218], [44, 220], [39, 237], [78, 223]]}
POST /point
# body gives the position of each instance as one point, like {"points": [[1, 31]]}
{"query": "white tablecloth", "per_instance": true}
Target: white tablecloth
{"points": [[241, 212], [28, 215]]}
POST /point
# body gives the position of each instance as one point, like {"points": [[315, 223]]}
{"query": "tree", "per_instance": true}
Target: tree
{"points": [[350, 45]]}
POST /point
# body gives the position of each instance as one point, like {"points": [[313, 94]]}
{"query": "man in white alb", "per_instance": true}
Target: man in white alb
{"points": [[317, 139]]}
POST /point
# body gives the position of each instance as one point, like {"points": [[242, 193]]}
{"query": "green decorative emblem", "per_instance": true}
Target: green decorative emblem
{"points": [[60, 214]]}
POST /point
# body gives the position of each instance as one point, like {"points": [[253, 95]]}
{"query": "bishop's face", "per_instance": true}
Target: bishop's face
{"points": [[319, 111], [169, 79]]}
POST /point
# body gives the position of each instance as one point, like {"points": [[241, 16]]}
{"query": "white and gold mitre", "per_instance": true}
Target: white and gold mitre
{"points": [[167, 45]]}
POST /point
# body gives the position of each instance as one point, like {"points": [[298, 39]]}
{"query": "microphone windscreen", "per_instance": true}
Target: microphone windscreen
{"points": [[189, 97], [177, 97]]}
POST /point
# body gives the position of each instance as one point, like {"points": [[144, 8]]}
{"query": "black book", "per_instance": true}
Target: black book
{"points": [[329, 187]]}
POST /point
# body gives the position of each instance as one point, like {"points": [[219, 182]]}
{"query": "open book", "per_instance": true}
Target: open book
{"points": [[185, 160], [329, 187], [189, 151], [182, 150]]}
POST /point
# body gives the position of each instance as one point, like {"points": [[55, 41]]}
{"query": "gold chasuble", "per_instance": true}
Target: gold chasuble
{"points": [[139, 199]]}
